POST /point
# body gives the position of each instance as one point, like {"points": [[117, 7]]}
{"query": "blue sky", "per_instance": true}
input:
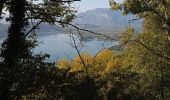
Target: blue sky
{"points": [[92, 4]]}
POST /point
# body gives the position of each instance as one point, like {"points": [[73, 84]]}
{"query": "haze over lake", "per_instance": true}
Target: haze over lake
{"points": [[59, 46]]}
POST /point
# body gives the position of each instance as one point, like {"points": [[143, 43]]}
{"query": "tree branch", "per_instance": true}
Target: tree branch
{"points": [[67, 23], [33, 28], [151, 50], [78, 28], [80, 56]]}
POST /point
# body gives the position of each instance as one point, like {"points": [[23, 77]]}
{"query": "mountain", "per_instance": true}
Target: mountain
{"points": [[105, 17], [105, 21]]}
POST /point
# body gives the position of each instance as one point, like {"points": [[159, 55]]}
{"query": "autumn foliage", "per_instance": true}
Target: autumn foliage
{"points": [[100, 64]]}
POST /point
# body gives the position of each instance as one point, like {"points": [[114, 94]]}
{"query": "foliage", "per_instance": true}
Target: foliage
{"points": [[98, 65], [148, 53]]}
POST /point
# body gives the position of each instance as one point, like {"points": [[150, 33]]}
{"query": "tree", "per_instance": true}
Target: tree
{"points": [[18, 60], [148, 53], [16, 46]]}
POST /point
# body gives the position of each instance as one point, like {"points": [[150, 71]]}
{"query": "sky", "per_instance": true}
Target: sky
{"points": [[84, 5]]}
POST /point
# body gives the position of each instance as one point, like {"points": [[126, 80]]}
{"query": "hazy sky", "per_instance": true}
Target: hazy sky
{"points": [[84, 5], [92, 4]]}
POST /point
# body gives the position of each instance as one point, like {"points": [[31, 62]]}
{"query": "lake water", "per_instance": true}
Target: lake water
{"points": [[59, 46]]}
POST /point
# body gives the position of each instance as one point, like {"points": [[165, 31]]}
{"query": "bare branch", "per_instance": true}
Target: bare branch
{"points": [[67, 23], [78, 28], [33, 28], [80, 56]]}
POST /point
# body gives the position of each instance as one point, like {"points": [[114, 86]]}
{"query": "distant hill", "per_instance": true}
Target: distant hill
{"points": [[105, 17], [105, 21], [43, 29]]}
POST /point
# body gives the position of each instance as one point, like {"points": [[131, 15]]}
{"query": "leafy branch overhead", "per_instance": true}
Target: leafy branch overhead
{"points": [[50, 11], [154, 13], [47, 10]]}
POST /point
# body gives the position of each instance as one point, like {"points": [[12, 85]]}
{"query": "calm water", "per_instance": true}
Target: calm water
{"points": [[60, 45]]}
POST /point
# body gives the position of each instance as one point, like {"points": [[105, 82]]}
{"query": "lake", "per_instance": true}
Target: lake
{"points": [[60, 45]]}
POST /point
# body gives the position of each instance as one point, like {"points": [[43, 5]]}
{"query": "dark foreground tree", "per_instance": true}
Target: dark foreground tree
{"points": [[16, 47], [18, 63]]}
